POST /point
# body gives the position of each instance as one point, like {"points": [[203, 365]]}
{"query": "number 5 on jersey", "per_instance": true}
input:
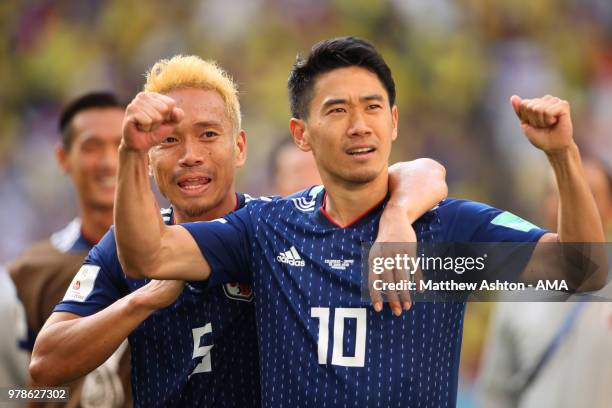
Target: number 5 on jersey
{"points": [[340, 315], [200, 350]]}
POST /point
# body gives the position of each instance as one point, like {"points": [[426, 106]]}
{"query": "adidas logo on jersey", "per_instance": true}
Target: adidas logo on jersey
{"points": [[291, 257]]}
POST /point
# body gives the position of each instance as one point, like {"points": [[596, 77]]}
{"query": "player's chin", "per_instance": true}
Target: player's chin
{"points": [[361, 175], [103, 202], [195, 209]]}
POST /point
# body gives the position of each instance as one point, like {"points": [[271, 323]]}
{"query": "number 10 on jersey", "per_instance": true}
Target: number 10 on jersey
{"points": [[340, 315]]}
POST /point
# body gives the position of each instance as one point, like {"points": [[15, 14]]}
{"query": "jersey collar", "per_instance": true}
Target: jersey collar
{"points": [[168, 213], [322, 218], [71, 238]]}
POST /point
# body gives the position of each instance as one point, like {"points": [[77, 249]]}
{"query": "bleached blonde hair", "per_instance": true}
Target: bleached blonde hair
{"points": [[190, 71]]}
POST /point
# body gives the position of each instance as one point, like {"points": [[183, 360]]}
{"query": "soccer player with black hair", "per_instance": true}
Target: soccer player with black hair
{"points": [[319, 341]]}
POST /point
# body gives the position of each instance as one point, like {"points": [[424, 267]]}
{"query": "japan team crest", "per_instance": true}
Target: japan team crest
{"points": [[238, 291]]}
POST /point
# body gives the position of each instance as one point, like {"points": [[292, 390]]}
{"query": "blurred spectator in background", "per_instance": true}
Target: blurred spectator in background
{"points": [[90, 128], [599, 177], [550, 354], [13, 362], [291, 169]]}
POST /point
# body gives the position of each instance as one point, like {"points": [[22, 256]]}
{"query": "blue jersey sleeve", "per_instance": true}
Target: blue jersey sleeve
{"points": [[469, 221], [225, 243], [506, 239], [98, 283], [27, 343]]}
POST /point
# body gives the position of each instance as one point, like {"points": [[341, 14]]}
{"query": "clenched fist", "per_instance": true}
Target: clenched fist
{"points": [[149, 118], [545, 121]]}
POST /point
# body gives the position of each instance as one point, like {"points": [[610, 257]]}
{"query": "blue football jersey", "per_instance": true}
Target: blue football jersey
{"points": [[320, 343], [200, 351]]}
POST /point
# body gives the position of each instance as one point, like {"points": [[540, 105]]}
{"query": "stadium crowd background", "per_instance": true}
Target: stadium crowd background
{"points": [[456, 63]]}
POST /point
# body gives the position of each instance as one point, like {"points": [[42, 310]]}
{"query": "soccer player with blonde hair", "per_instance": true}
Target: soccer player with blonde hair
{"points": [[171, 327], [191, 345]]}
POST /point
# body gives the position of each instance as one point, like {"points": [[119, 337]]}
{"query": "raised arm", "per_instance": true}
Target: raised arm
{"points": [[146, 246], [546, 122], [70, 346]]}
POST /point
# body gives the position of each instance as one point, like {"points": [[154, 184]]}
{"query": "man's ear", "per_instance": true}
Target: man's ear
{"points": [[241, 148], [394, 118], [299, 134], [62, 158]]}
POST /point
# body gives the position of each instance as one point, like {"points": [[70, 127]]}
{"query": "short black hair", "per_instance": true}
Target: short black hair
{"points": [[328, 55], [90, 100]]}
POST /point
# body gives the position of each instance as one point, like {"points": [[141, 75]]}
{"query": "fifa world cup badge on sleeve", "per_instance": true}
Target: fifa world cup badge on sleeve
{"points": [[82, 284]]}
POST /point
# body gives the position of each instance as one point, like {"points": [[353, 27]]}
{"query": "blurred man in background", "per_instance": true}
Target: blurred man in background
{"points": [[90, 128], [291, 169], [550, 354], [13, 361]]}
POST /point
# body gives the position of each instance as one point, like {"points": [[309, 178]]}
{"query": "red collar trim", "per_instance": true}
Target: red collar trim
{"points": [[351, 223]]}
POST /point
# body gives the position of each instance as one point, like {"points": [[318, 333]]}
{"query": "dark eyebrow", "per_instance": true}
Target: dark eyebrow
{"points": [[90, 137], [334, 101], [374, 97], [338, 101]]}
